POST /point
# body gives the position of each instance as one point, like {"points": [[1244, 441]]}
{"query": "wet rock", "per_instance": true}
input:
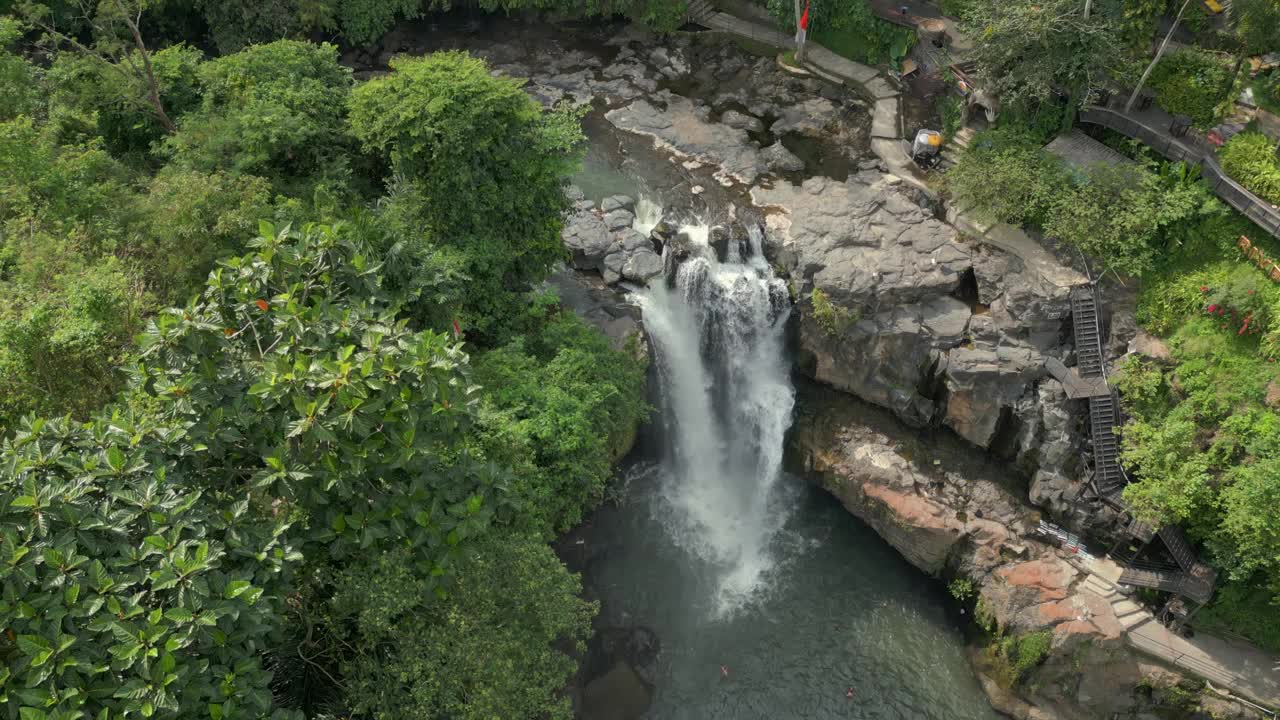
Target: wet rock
{"points": [[600, 306], [642, 266], [618, 219], [633, 240], [618, 202], [807, 117], [613, 263], [587, 239], [662, 233], [684, 129], [669, 62], [779, 159], [741, 121]]}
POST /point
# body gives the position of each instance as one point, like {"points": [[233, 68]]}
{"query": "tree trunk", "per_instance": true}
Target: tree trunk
{"points": [[1159, 53], [153, 88], [1088, 5]]}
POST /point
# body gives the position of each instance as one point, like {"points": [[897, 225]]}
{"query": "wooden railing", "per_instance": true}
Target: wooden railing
{"points": [[1193, 151]]}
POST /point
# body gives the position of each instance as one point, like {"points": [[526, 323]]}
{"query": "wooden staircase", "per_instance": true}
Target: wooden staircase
{"points": [[1188, 577], [698, 11]]}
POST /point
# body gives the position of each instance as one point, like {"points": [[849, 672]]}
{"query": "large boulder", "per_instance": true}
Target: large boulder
{"points": [[588, 240]]}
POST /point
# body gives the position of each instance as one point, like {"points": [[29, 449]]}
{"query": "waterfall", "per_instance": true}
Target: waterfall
{"points": [[648, 214], [717, 326]]}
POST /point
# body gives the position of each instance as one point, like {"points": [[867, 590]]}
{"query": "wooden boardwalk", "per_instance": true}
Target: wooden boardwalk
{"points": [[1151, 127]]}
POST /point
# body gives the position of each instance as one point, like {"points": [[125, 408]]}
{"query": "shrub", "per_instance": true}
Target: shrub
{"points": [[1007, 177], [1192, 83], [1250, 159], [1237, 303], [833, 319], [1013, 656], [848, 28], [961, 589]]}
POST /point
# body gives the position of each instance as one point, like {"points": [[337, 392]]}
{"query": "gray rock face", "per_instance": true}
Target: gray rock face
{"points": [[808, 117], [617, 202], [780, 159], [685, 129], [587, 239], [904, 339], [741, 121], [642, 266], [618, 219]]}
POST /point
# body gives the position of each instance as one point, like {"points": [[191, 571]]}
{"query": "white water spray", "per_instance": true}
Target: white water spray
{"points": [[648, 215], [717, 328]]}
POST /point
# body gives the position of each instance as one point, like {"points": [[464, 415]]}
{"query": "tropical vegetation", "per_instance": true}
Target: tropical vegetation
{"points": [[286, 419]]}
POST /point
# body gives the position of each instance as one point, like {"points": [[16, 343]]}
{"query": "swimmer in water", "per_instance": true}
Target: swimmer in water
{"points": [[724, 671], [849, 693]]}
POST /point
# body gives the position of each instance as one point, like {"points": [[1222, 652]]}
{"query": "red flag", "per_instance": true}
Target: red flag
{"points": [[804, 19]]}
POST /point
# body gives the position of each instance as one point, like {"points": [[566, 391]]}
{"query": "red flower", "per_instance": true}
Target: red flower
{"points": [[1204, 288], [1221, 311], [1250, 292], [1213, 308], [263, 305]]}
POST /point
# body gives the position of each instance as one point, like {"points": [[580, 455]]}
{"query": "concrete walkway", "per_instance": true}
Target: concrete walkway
{"points": [[886, 114], [1238, 667]]}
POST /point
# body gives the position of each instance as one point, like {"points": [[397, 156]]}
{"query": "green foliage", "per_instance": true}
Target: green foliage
{"points": [[1245, 607], [19, 79], [1250, 159], [950, 110], [1266, 90], [1257, 25], [1144, 387], [195, 218], [487, 651], [1125, 215], [848, 28], [833, 319], [560, 406], [1071, 53], [275, 110], [1013, 656], [1190, 82], [124, 591], [479, 167], [236, 24], [661, 15], [961, 589], [1208, 455], [364, 21], [112, 100], [1007, 177], [60, 343]]}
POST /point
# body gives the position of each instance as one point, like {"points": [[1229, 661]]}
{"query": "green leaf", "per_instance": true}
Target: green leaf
{"points": [[115, 459], [23, 501], [179, 615], [235, 589], [29, 713], [157, 542]]}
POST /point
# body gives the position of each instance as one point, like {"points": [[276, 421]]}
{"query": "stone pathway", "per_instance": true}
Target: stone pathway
{"points": [[1241, 668], [886, 114]]}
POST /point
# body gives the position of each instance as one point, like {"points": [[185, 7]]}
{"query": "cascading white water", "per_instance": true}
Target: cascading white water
{"points": [[648, 215], [718, 334]]}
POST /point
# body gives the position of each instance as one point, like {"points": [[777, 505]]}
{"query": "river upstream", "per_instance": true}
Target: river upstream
{"points": [[729, 588]]}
